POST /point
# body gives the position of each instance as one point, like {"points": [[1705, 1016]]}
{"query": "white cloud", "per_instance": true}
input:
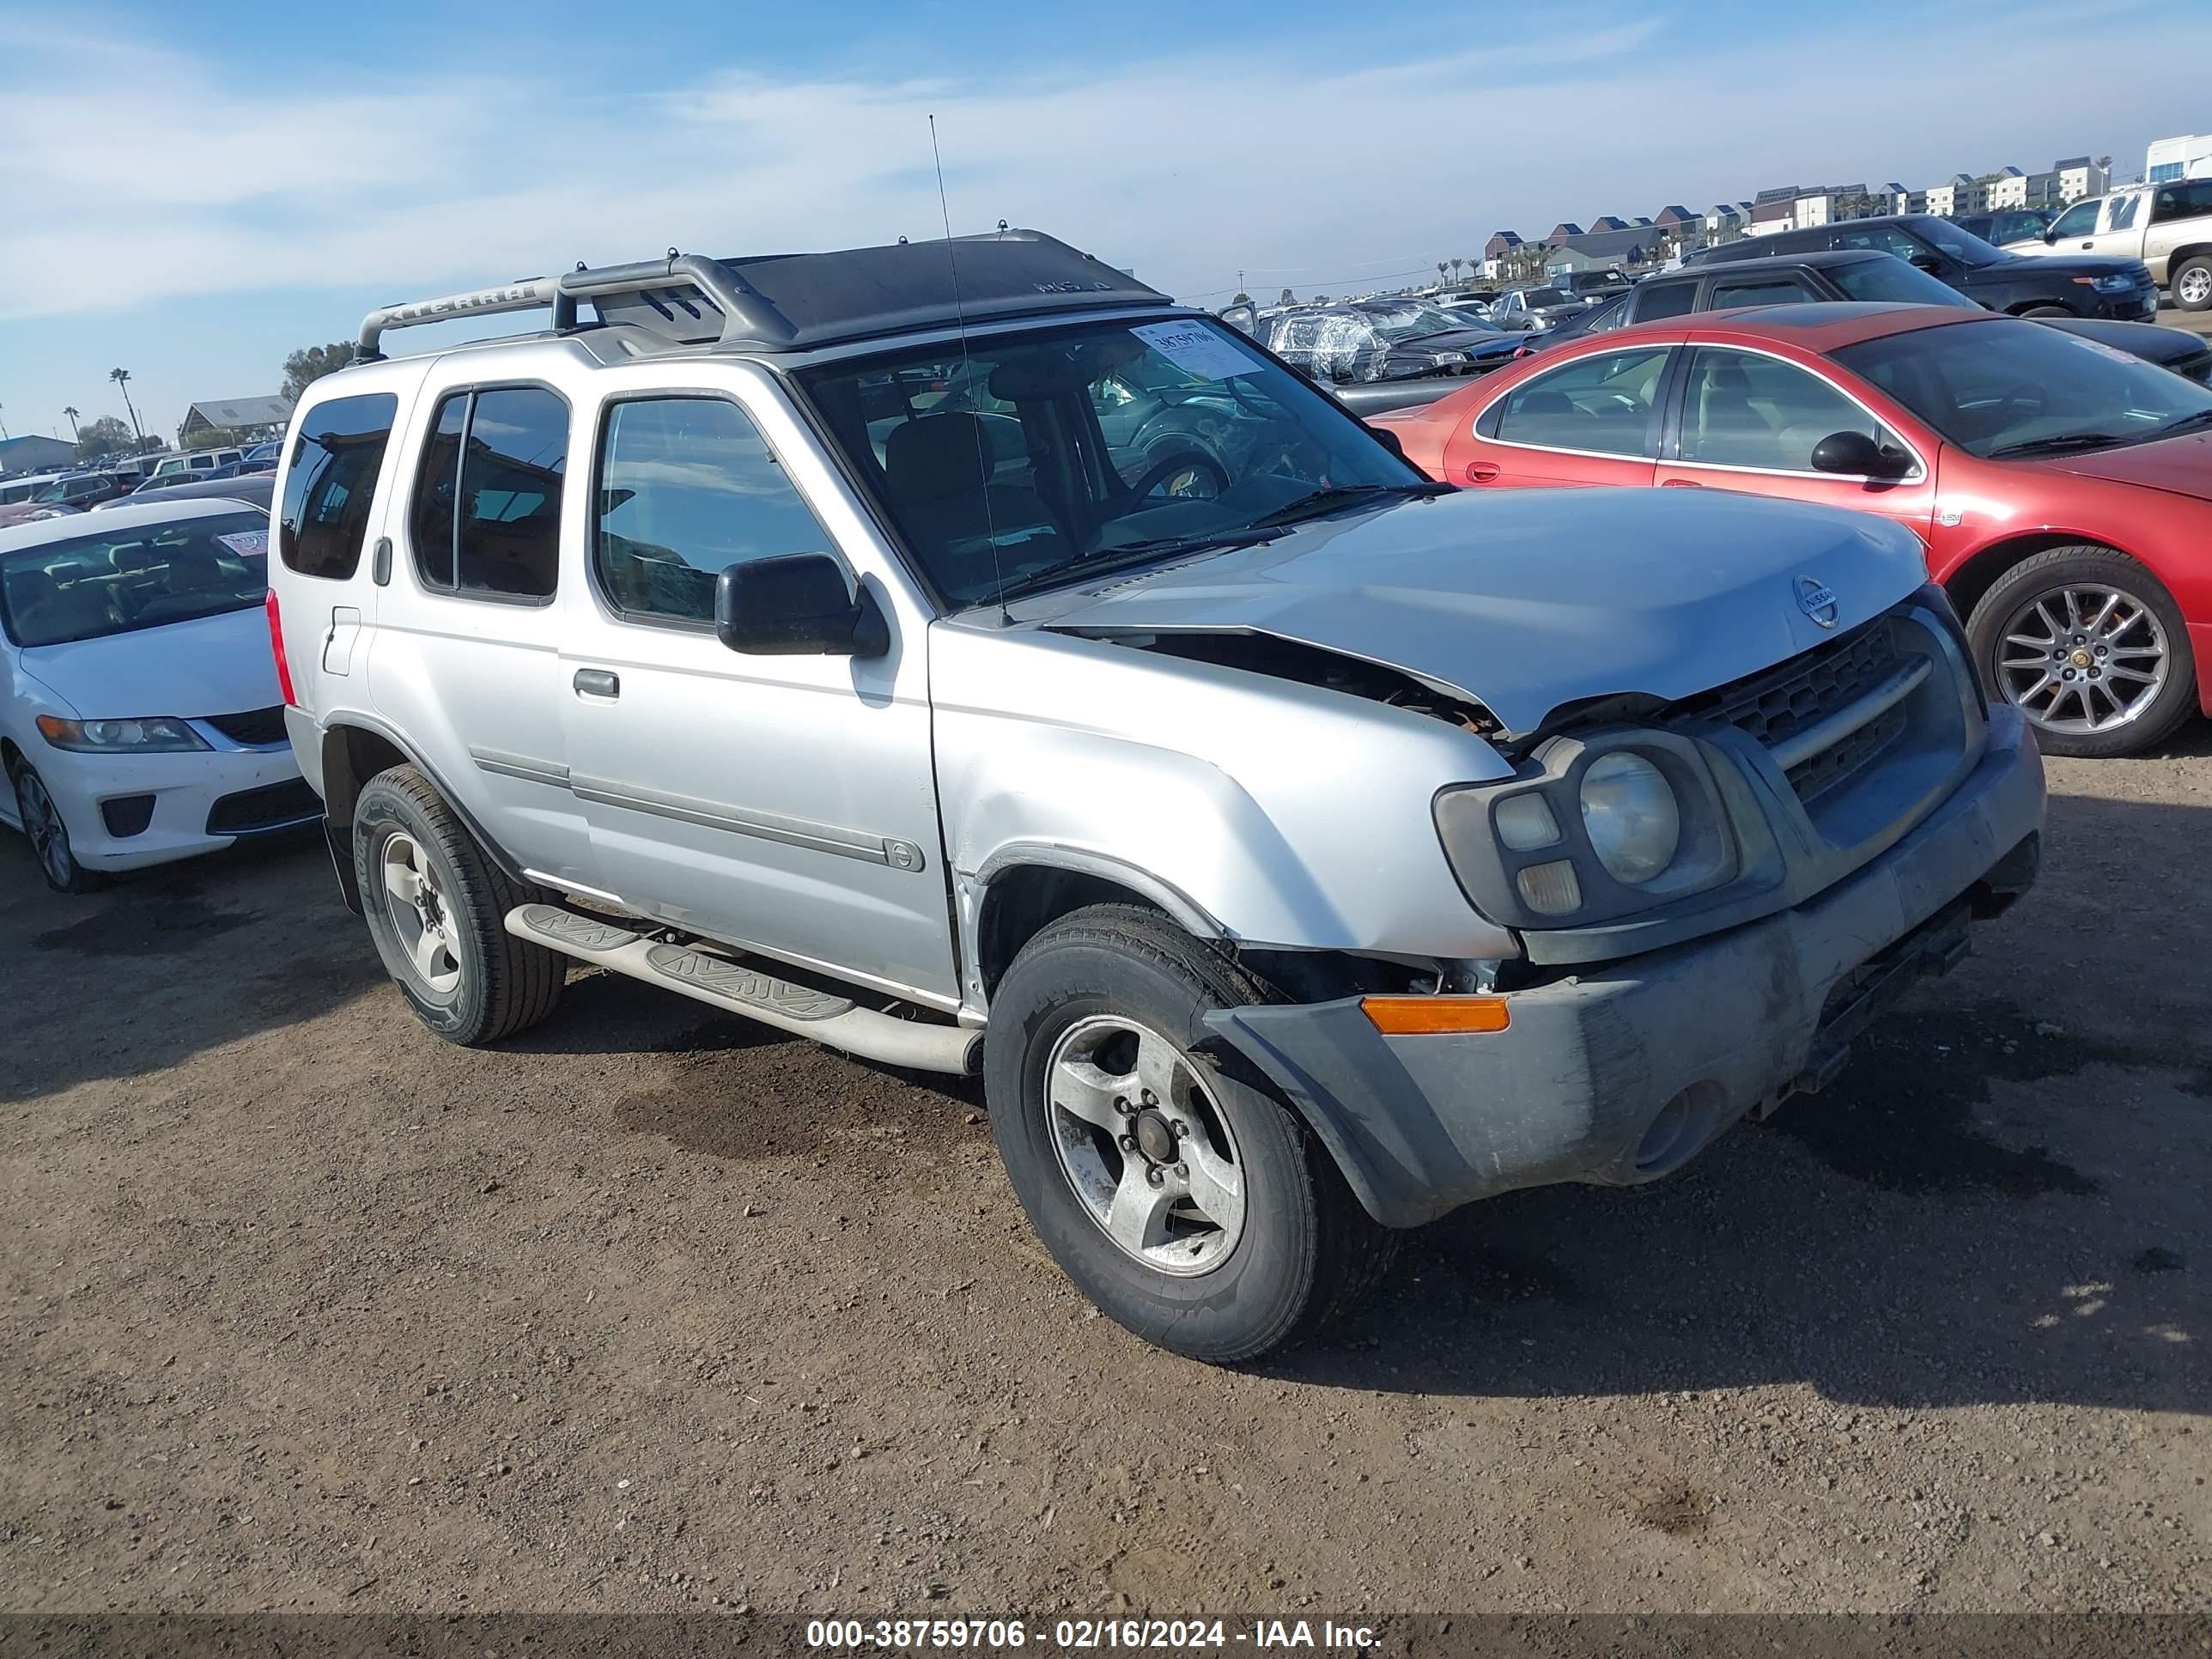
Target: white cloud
{"points": [[136, 172]]}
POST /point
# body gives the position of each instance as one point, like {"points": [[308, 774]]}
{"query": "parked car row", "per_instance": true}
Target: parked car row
{"points": [[1857, 275]]}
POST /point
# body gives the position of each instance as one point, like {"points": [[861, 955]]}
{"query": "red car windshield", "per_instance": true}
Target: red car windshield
{"points": [[2009, 390]]}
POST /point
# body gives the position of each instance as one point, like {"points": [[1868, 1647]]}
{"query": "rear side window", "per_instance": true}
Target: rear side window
{"points": [[1600, 404], [687, 488], [1760, 291], [337, 451], [487, 514], [1655, 300], [2184, 199]]}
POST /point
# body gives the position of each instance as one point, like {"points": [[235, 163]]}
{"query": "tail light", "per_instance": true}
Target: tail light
{"points": [[276, 645]]}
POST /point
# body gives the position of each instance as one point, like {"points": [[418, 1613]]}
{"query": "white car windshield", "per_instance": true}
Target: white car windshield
{"points": [[126, 579]]}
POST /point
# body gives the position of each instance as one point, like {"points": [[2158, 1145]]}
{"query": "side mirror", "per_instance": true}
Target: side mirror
{"points": [[1854, 454], [1245, 318], [1388, 438], [798, 605], [1929, 263]]}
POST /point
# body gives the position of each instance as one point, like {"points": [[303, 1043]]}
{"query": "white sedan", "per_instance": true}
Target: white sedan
{"points": [[140, 718]]}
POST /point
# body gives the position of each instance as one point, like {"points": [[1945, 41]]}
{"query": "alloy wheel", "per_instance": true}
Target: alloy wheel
{"points": [[42, 823], [1145, 1148], [2082, 659], [421, 914], [2195, 288]]}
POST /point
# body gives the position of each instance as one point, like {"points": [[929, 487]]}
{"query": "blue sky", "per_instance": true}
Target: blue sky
{"points": [[192, 202]]}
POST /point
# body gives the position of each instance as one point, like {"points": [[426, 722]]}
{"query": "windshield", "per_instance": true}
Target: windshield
{"points": [[1536, 298], [1961, 245], [1038, 456], [1889, 278], [147, 576], [2007, 389]]}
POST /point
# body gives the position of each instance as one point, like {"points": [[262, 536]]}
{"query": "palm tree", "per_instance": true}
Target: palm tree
{"points": [[1440, 271], [122, 379], [71, 413], [1456, 265]]}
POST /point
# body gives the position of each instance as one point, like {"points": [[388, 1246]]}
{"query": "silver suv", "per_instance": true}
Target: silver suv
{"points": [[963, 656]]}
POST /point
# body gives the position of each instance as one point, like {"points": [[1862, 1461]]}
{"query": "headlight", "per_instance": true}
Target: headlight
{"points": [[2113, 284], [1629, 812], [154, 734], [1592, 829]]}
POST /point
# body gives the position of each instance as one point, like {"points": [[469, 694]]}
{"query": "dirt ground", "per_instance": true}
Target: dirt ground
{"points": [[654, 1309]]}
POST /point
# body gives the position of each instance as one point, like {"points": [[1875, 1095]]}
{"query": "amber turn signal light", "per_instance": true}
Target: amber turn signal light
{"points": [[1432, 1016]]}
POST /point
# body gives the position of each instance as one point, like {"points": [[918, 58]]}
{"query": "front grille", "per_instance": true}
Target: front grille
{"points": [[271, 804], [1848, 758], [256, 728], [1776, 704]]}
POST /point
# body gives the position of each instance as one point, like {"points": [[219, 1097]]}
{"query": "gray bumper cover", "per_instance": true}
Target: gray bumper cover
{"points": [[1710, 1030]]}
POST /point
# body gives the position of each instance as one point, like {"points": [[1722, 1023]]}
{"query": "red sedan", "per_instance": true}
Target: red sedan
{"points": [[2063, 490]]}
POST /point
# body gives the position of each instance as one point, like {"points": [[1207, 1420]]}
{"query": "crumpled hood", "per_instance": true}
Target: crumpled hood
{"points": [[1528, 599], [214, 666], [2181, 466]]}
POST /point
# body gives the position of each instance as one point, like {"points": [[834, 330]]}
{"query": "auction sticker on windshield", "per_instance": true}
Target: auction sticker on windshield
{"points": [[247, 543], [1196, 349]]}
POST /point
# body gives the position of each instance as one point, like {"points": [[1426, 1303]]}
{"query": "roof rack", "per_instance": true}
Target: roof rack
{"points": [[796, 301]]}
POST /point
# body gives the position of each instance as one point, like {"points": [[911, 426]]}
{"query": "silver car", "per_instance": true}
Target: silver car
{"points": [[963, 656], [1527, 309]]}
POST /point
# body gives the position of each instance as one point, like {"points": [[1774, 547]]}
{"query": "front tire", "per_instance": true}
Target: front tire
{"points": [[2090, 646], [436, 906], [1188, 1205], [2047, 311], [2191, 283], [49, 835]]}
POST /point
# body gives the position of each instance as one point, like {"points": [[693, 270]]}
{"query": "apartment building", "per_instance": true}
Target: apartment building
{"points": [[2189, 157]]}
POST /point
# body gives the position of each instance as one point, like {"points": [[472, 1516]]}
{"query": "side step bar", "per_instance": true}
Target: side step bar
{"points": [[741, 989]]}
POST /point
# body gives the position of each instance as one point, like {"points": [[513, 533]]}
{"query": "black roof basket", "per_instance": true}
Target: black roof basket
{"points": [[797, 301]]}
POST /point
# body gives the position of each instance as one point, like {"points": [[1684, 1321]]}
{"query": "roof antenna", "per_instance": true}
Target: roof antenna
{"points": [[985, 465]]}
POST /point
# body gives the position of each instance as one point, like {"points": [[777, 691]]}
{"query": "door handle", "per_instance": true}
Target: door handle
{"points": [[596, 683], [1483, 472], [1680, 483]]}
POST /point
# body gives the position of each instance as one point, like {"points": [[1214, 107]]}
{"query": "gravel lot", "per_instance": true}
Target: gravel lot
{"points": [[654, 1309]]}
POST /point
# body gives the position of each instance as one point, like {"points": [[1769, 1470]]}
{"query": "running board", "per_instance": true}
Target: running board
{"points": [[739, 989]]}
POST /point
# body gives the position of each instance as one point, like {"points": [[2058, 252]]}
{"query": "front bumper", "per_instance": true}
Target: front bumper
{"points": [[186, 791], [1622, 1072]]}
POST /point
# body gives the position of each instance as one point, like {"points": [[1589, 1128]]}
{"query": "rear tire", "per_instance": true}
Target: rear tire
{"points": [[1249, 1240], [2007, 632], [436, 906], [2047, 311], [2191, 283]]}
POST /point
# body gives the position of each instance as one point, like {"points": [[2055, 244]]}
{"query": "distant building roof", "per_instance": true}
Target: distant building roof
{"points": [[1729, 208], [1893, 188], [2066, 162], [1501, 242], [1608, 221], [240, 412], [1565, 228], [1672, 214], [1627, 245], [1641, 222]]}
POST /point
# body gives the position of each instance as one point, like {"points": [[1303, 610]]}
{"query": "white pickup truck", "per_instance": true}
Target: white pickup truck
{"points": [[2168, 227]]}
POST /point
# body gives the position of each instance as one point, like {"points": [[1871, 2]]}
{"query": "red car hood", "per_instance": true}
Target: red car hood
{"points": [[2181, 466]]}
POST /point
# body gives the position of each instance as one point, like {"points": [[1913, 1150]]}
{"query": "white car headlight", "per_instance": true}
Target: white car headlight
{"points": [[1634, 823], [152, 734]]}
